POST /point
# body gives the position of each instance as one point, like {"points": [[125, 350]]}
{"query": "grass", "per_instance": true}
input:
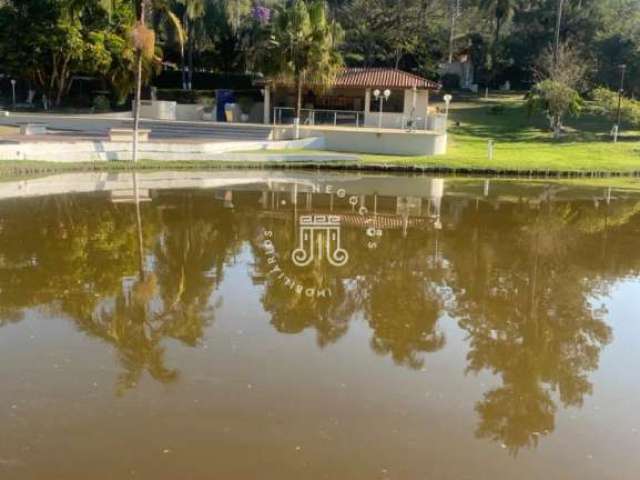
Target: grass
{"points": [[11, 169], [524, 143]]}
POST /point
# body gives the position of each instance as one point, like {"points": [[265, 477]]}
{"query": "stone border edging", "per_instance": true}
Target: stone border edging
{"points": [[335, 164]]}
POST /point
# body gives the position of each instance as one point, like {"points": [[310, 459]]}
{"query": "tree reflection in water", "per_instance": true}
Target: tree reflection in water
{"points": [[518, 276], [405, 299], [523, 293]]}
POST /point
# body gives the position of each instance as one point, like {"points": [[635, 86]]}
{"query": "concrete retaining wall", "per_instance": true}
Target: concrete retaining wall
{"points": [[101, 150], [387, 143], [374, 141]]}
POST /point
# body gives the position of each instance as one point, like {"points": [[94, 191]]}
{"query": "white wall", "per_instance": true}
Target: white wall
{"points": [[398, 120], [388, 143], [163, 110], [368, 140], [157, 110], [189, 112], [102, 150]]}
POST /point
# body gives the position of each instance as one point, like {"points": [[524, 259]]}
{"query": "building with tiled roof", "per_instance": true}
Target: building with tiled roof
{"points": [[382, 78], [351, 99]]}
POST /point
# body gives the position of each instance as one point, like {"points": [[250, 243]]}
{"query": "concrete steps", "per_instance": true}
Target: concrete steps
{"points": [[213, 132]]}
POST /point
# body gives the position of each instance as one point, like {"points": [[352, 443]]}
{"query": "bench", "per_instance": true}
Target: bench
{"points": [[33, 129], [126, 135]]}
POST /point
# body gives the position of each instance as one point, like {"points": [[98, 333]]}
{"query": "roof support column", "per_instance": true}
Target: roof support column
{"points": [[267, 105], [367, 105]]}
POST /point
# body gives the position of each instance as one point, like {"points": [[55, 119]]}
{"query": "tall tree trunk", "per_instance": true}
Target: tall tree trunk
{"points": [[452, 33], [190, 77], [556, 41], [298, 107], [299, 96], [136, 111], [556, 125], [185, 20]]}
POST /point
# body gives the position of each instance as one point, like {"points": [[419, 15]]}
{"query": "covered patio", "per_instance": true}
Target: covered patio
{"points": [[351, 101]]}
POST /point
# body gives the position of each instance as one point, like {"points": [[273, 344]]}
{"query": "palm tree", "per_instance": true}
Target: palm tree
{"points": [[192, 11], [144, 44], [501, 11], [303, 47]]}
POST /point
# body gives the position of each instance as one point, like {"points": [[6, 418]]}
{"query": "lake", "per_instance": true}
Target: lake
{"points": [[307, 325]]}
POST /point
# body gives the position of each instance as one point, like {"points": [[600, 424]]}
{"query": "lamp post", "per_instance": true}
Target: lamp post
{"points": [[447, 100], [616, 127], [13, 90], [381, 97]]}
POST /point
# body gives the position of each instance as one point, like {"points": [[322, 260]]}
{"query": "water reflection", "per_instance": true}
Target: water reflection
{"points": [[515, 265], [523, 295]]}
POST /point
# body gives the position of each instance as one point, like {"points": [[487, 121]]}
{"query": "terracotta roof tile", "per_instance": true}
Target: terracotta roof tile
{"points": [[377, 78], [382, 78]]}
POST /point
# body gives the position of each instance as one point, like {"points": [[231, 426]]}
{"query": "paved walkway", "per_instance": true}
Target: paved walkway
{"points": [[93, 126]]}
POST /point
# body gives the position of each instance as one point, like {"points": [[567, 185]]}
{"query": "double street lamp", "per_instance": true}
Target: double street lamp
{"points": [[381, 97]]}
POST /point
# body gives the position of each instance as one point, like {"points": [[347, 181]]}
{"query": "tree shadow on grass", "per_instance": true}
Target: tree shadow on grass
{"points": [[513, 123]]}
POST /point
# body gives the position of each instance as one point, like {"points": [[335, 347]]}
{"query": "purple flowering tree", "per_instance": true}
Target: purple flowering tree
{"points": [[261, 14]]}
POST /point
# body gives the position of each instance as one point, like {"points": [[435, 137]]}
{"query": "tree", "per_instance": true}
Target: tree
{"points": [[394, 33], [556, 100], [303, 47], [560, 71], [144, 40], [227, 53], [192, 12], [501, 11], [563, 64], [48, 41]]}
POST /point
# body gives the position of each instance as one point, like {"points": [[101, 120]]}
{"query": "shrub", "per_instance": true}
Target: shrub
{"points": [[101, 103], [607, 104]]}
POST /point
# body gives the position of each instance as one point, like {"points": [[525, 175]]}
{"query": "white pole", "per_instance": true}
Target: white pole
{"points": [[413, 108], [447, 101]]}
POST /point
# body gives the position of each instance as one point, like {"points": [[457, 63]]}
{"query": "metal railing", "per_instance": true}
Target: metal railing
{"points": [[353, 118], [337, 118]]}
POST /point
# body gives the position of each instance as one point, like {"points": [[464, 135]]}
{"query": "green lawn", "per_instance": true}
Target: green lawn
{"points": [[524, 143]]}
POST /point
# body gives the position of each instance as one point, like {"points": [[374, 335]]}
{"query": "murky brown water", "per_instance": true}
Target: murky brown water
{"points": [[283, 325]]}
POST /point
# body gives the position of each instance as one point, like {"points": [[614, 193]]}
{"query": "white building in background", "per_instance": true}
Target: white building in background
{"points": [[463, 67]]}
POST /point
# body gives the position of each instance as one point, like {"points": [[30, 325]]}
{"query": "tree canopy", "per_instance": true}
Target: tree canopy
{"points": [[48, 42]]}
